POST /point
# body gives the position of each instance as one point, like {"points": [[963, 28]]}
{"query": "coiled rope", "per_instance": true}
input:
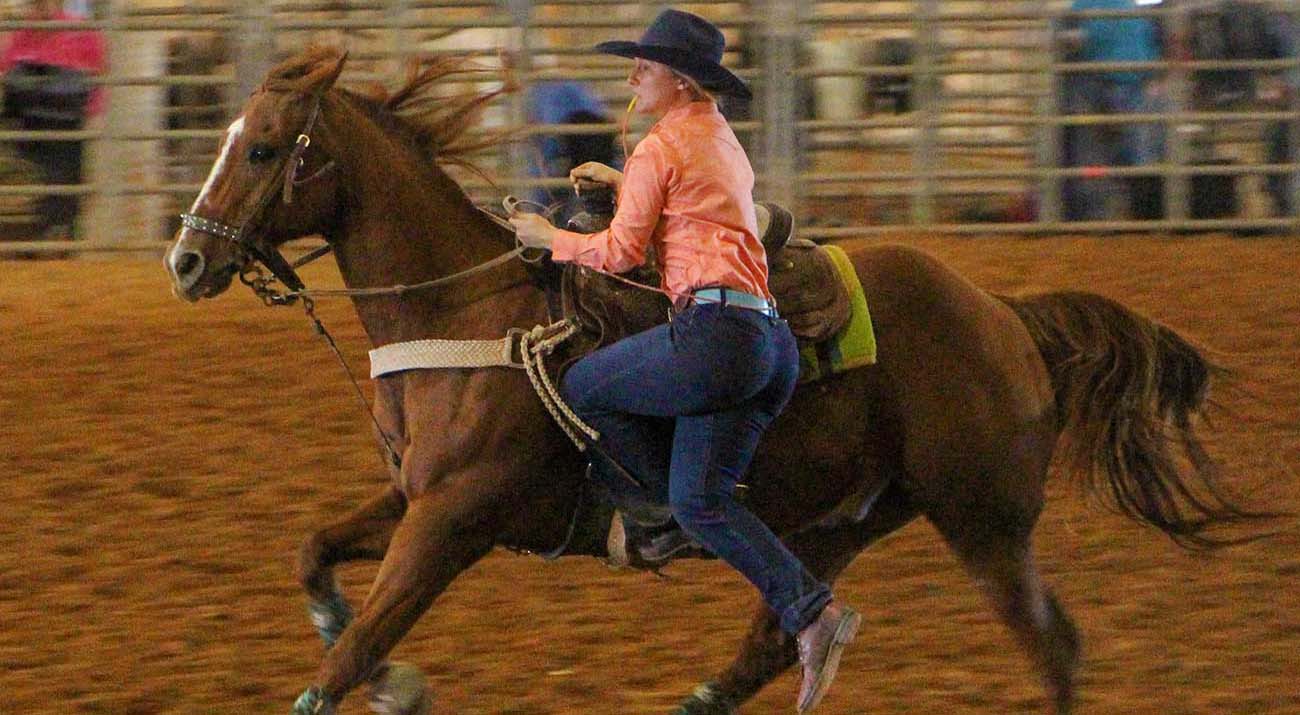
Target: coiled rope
{"points": [[533, 347]]}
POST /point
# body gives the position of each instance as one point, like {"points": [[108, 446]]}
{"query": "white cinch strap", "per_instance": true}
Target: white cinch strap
{"points": [[533, 345], [425, 354]]}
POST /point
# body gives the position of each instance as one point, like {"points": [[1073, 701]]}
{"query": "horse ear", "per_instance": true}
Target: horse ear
{"points": [[320, 80], [334, 73]]}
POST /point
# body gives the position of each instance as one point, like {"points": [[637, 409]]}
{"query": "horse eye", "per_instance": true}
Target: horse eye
{"points": [[260, 153]]}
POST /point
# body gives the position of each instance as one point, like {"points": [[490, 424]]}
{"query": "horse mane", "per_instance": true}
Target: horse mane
{"points": [[428, 110]]}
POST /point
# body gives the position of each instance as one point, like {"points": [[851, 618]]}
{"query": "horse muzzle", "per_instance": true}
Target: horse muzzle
{"points": [[194, 276]]}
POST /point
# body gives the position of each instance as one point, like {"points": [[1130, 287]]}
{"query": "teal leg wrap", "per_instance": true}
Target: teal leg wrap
{"points": [[330, 617], [706, 700], [312, 702]]}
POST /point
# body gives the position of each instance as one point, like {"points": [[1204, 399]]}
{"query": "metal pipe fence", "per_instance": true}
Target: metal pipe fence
{"points": [[959, 131]]}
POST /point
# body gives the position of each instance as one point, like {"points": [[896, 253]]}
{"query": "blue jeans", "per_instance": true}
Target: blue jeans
{"points": [[681, 407], [1085, 199]]}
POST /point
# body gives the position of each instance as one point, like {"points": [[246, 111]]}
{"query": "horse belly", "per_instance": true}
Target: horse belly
{"points": [[823, 449]]}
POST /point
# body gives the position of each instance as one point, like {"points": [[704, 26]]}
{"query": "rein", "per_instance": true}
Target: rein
{"points": [[400, 289]]}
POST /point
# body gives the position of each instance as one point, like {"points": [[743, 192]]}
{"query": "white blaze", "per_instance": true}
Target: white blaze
{"points": [[232, 133]]}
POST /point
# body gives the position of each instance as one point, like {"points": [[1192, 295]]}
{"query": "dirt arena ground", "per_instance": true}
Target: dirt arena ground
{"points": [[161, 462]]}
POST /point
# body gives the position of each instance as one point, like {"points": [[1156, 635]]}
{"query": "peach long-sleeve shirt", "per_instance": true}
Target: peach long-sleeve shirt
{"points": [[688, 187]]}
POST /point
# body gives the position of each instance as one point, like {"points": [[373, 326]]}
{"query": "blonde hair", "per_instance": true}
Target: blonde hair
{"points": [[698, 93]]}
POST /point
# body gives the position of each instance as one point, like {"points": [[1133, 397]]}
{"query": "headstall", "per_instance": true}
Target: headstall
{"points": [[254, 247]]}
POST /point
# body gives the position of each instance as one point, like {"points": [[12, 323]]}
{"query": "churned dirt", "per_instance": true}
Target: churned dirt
{"points": [[161, 462]]}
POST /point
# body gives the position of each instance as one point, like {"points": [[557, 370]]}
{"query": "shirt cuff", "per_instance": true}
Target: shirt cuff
{"points": [[574, 247]]}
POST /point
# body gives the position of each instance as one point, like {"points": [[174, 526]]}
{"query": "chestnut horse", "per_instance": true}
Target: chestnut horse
{"points": [[971, 397]]}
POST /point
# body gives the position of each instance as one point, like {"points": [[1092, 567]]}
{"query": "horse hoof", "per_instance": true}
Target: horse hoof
{"points": [[706, 700], [401, 690]]}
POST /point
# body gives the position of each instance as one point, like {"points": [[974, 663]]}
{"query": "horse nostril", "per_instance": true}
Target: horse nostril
{"points": [[188, 267]]}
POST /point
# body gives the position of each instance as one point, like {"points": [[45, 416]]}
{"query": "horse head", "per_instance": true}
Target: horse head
{"points": [[270, 183]]}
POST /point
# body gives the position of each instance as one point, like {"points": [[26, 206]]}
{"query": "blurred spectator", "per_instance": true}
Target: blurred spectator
{"points": [[894, 89], [566, 102], [47, 87], [1105, 39], [1228, 30], [1282, 93]]}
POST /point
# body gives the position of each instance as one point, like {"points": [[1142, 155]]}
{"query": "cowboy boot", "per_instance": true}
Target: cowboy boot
{"points": [[657, 545], [821, 644], [645, 547]]}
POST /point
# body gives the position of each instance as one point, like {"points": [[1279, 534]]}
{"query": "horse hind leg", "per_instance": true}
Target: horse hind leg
{"points": [[767, 651], [1003, 567]]}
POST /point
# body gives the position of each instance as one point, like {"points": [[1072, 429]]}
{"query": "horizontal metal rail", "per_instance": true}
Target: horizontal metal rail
{"points": [[980, 136], [1055, 227]]}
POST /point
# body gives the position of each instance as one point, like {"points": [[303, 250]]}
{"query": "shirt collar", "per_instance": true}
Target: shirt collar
{"points": [[701, 108]]}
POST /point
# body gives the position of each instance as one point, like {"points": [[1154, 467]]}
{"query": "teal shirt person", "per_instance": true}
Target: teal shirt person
{"points": [[1117, 39]]}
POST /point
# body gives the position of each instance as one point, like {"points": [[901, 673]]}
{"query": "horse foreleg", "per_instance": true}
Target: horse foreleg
{"points": [[363, 534], [767, 651], [442, 533]]}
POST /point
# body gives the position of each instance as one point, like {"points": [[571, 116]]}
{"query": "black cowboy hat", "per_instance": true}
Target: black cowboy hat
{"points": [[688, 44]]}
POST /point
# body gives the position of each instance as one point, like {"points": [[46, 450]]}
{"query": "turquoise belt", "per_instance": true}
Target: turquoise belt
{"points": [[739, 299]]}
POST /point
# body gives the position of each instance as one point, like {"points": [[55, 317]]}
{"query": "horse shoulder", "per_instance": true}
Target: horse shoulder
{"points": [[482, 420]]}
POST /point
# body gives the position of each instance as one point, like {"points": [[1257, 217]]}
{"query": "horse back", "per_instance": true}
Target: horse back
{"points": [[958, 390], [941, 335]]}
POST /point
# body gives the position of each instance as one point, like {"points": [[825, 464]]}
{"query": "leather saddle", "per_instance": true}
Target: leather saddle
{"points": [[809, 294]]}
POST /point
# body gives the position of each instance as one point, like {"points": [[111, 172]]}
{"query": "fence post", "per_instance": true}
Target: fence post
{"points": [[1049, 134], [781, 39], [399, 31], [1292, 129], [103, 216], [516, 154], [926, 88], [114, 214], [1177, 151], [254, 45]]}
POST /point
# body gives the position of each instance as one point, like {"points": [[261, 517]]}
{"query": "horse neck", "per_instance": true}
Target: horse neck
{"points": [[405, 222]]}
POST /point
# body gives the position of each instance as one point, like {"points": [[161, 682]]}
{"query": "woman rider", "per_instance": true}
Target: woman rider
{"points": [[726, 365]]}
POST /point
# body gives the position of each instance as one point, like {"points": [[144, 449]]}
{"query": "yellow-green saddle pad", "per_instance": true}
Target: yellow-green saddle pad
{"points": [[855, 344]]}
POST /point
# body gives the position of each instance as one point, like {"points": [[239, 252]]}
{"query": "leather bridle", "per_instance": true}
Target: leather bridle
{"points": [[251, 246]]}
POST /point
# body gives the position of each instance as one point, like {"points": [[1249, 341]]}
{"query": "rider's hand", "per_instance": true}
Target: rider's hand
{"points": [[597, 172], [534, 231]]}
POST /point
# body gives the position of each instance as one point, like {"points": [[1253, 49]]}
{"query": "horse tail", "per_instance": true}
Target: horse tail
{"points": [[1127, 390]]}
